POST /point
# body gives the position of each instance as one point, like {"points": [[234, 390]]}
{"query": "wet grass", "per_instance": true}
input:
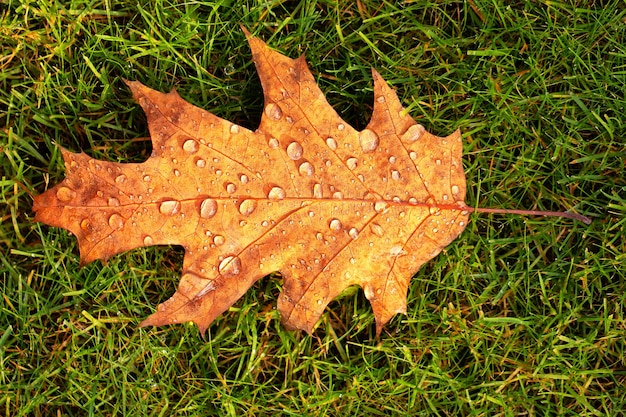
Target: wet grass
{"points": [[519, 315]]}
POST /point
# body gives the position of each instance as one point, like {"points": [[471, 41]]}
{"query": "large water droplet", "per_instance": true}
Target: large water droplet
{"points": [[455, 189], [230, 188], [234, 129], [306, 169], [208, 208], [200, 163], [243, 178], [116, 221], [351, 163], [395, 175], [294, 151], [331, 143], [247, 207], [231, 265], [219, 240], [379, 206], [369, 140], [190, 146], [276, 193], [65, 194], [354, 233], [335, 224], [120, 179], [273, 111], [169, 207], [148, 240], [414, 132]]}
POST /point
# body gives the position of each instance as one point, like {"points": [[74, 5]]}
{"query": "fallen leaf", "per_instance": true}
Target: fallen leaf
{"points": [[305, 194]]}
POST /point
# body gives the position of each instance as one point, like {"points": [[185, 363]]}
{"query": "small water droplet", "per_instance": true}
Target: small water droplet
{"points": [[352, 261], [335, 224], [273, 111], [169, 207], [306, 169], [230, 187], [148, 240], [247, 207], [146, 178], [395, 175], [455, 189], [379, 206], [200, 163], [381, 99], [243, 178], [219, 240], [354, 233], [461, 224], [289, 120], [331, 143], [231, 265], [208, 208], [65, 194], [120, 179], [276, 193], [234, 129], [273, 143], [341, 126], [85, 225], [317, 190], [337, 195], [369, 140], [434, 210], [413, 155], [414, 132], [351, 163], [392, 159], [113, 202], [190, 146], [377, 229], [177, 173], [294, 151], [116, 221], [320, 302], [438, 161]]}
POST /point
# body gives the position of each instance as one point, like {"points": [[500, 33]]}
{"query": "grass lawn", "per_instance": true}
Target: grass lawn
{"points": [[519, 316]]}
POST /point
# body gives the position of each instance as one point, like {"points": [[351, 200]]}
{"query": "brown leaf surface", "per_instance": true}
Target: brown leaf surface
{"points": [[305, 194]]}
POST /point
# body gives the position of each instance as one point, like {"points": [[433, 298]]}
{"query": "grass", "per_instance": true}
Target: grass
{"points": [[518, 316]]}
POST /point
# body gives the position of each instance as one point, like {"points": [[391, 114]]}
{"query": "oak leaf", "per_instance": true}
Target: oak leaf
{"points": [[305, 194]]}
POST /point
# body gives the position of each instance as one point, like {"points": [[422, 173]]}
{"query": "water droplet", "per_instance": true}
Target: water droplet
{"points": [[65, 194], [113, 202], [369, 140], [331, 143], [377, 229], [461, 224], [341, 126], [392, 159], [317, 190], [445, 197], [146, 178], [116, 221], [306, 169], [455, 189], [438, 161], [219, 240], [247, 207], [234, 129], [273, 143], [434, 210], [320, 302], [414, 132], [381, 99], [353, 261], [120, 179], [335, 224], [169, 207], [276, 193], [273, 111], [395, 175], [351, 163], [413, 155], [353, 233], [337, 195], [379, 206], [208, 208], [190, 146], [231, 265], [230, 187], [148, 240], [243, 178], [289, 120], [200, 163], [85, 225], [294, 151]]}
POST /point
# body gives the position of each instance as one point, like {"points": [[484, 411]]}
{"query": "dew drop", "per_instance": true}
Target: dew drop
{"points": [[294, 151], [276, 193], [234, 129], [354, 233], [306, 169], [148, 240], [85, 225], [413, 155], [120, 179], [377, 229], [395, 175], [200, 163], [208, 208], [243, 178], [461, 224], [455, 189], [190, 146], [231, 265], [351, 163], [353, 261], [169, 207], [219, 240], [369, 140], [381, 99], [335, 224], [434, 210], [379, 206], [230, 187], [317, 191], [337, 195], [331, 143], [146, 178], [113, 202], [341, 126], [247, 207], [273, 143], [289, 120], [273, 111], [414, 132], [320, 302], [65, 194], [116, 221]]}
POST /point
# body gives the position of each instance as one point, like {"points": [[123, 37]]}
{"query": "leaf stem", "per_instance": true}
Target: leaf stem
{"points": [[565, 214]]}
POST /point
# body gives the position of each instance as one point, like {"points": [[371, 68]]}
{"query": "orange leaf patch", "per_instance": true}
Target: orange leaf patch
{"points": [[305, 194]]}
